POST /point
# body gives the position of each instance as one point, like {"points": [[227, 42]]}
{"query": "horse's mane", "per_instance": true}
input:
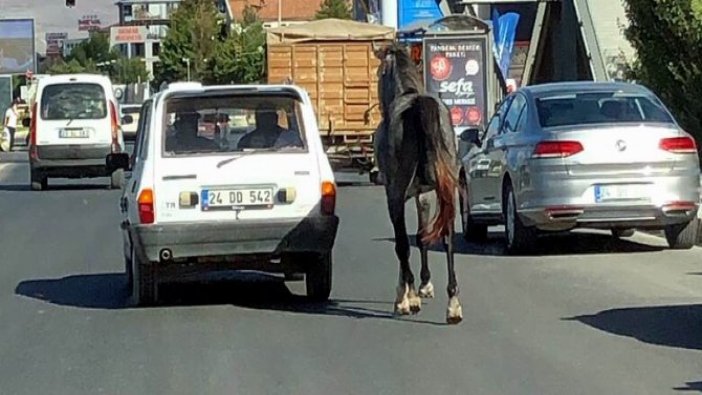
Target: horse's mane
{"points": [[406, 74]]}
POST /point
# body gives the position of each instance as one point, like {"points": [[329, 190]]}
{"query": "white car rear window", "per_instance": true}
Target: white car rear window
{"points": [[232, 123]]}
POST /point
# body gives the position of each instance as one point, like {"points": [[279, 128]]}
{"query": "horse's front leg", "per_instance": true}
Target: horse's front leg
{"points": [[407, 300], [454, 313], [426, 289]]}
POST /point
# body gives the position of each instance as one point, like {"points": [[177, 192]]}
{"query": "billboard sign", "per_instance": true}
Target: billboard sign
{"points": [[413, 12], [455, 70], [17, 46], [89, 23], [128, 34], [54, 43]]}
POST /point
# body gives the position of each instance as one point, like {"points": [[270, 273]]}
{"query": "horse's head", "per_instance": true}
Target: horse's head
{"points": [[397, 73]]}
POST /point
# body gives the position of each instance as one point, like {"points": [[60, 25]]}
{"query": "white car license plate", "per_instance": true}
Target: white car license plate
{"points": [[73, 134], [604, 193], [231, 198]]}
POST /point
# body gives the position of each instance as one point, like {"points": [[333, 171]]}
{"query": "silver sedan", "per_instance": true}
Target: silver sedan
{"points": [[580, 154]]}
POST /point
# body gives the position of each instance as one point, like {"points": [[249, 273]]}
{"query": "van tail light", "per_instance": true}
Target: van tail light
{"points": [[33, 132], [115, 129], [678, 145], [328, 198], [146, 206], [556, 149]]}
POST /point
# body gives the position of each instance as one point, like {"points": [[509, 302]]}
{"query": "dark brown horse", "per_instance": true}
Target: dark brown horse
{"points": [[416, 153]]}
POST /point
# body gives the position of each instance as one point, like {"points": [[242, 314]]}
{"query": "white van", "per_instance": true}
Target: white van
{"points": [[74, 126]]}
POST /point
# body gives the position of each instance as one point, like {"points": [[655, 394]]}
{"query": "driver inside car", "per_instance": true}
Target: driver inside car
{"points": [[268, 134]]}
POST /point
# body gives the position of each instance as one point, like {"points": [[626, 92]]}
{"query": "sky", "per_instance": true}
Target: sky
{"points": [[52, 16]]}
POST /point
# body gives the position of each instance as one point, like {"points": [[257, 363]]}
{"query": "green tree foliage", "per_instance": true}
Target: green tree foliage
{"points": [[338, 9], [94, 56], [667, 37], [216, 56], [242, 56], [194, 34]]}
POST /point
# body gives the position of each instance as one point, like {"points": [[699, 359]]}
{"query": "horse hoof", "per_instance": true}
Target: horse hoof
{"points": [[402, 308], [426, 291], [454, 313], [415, 305]]}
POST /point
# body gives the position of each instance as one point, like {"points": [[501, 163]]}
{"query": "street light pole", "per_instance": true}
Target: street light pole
{"points": [[187, 62], [280, 12]]}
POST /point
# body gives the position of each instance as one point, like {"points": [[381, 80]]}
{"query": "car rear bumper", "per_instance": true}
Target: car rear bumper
{"points": [[609, 216], [191, 240], [568, 201], [69, 159]]}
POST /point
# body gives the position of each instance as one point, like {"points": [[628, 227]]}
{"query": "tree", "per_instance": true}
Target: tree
{"points": [[194, 34], [216, 55], [667, 37], [95, 49], [241, 57], [127, 71], [95, 56], [338, 9]]}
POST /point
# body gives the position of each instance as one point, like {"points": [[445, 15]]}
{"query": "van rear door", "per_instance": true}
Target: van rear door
{"points": [[74, 113]]}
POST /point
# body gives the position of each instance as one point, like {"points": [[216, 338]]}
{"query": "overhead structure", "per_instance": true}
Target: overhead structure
{"points": [[563, 45]]}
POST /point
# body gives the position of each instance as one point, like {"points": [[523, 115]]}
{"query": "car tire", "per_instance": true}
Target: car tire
{"points": [[144, 282], [318, 278], [623, 233], [682, 236], [519, 238], [38, 181], [471, 230], [117, 179]]}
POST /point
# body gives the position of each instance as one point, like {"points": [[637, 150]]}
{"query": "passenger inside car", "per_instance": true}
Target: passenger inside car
{"points": [[268, 133], [185, 137]]}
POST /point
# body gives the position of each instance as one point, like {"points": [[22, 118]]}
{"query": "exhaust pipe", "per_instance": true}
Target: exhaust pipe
{"points": [[165, 254]]}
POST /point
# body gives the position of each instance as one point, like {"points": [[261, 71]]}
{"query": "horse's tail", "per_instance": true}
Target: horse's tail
{"points": [[441, 159]]}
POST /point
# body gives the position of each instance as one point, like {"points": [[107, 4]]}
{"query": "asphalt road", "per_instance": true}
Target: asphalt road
{"points": [[589, 315]]}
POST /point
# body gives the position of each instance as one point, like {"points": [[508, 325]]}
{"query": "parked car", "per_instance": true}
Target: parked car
{"points": [[580, 154], [196, 205], [74, 125], [129, 130]]}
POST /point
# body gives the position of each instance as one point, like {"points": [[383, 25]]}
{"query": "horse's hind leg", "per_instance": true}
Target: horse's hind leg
{"points": [[426, 289], [407, 300], [454, 313]]}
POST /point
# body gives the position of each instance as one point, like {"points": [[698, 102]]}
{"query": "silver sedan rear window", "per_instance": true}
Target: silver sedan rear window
{"points": [[599, 108]]}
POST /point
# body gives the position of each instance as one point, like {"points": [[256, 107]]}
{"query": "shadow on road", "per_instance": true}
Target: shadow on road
{"points": [[671, 326], [691, 386], [248, 290], [557, 244]]}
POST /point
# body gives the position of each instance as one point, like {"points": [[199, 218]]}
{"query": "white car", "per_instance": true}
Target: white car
{"points": [[198, 204], [74, 125]]}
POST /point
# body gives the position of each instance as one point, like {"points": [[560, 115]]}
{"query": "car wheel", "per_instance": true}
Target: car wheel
{"points": [[622, 233], [471, 230], [117, 179], [682, 236], [39, 182], [143, 283], [520, 238], [318, 279]]}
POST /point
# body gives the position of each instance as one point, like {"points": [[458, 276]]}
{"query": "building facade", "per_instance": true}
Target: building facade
{"points": [[143, 24], [276, 13]]}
